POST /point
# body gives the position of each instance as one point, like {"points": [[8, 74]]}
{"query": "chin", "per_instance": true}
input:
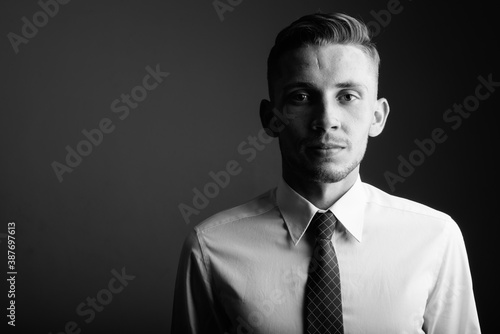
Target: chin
{"points": [[328, 177], [331, 174]]}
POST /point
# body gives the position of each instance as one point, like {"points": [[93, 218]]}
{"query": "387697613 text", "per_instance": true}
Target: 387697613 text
{"points": [[11, 273]]}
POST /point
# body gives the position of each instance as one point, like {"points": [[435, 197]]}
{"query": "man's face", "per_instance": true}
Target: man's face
{"points": [[329, 95]]}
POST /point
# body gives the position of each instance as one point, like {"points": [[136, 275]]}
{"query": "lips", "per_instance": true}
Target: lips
{"points": [[327, 146], [326, 150]]}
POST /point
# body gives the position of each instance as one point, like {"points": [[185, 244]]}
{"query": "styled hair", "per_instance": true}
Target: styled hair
{"points": [[320, 29]]}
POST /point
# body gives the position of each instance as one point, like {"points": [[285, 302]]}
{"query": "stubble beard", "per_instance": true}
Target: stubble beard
{"points": [[326, 171]]}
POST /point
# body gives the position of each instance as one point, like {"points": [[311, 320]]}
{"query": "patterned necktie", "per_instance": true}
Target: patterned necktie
{"points": [[323, 298]]}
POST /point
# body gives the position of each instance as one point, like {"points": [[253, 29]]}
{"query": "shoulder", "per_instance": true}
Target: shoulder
{"points": [[382, 199], [417, 220], [251, 209], [406, 211]]}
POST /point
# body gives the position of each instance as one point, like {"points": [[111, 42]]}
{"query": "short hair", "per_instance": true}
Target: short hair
{"points": [[320, 29]]}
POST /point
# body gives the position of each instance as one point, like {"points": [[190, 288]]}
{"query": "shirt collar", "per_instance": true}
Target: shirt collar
{"points": [[298, 211]]}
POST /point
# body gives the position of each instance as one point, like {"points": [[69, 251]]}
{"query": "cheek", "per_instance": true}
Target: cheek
{"points": [[291, 137], [296, 128], [288, 140], [358, 136], [357, 129]]}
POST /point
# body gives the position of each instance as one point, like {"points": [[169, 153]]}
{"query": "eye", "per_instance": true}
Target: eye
{"points": [[299, 98], [348, 97]]}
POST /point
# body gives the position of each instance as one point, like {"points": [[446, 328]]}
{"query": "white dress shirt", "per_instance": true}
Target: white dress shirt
{"points": [[403, 267]]}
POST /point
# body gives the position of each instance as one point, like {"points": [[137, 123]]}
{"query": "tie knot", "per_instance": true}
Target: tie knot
{"points": [[323, 225]]}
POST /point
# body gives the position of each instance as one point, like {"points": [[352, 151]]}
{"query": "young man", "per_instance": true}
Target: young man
{"points": [[325, 252]]}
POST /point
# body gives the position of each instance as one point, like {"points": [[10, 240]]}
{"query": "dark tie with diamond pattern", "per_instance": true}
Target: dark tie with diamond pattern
{"points": [[323, 298]]}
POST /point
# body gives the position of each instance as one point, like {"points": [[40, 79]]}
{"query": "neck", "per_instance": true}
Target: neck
{"points": [[321, 195]]}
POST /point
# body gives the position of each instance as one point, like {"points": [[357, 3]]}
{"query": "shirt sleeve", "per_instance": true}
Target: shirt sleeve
{"points": [[451, 308], [194, 308]]}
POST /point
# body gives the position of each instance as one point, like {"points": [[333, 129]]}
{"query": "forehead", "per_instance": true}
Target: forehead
{"points": [[327, 65]]}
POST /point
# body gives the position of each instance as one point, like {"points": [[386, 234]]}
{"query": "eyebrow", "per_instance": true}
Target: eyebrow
{"points": [[350, 84], [345, 84]]}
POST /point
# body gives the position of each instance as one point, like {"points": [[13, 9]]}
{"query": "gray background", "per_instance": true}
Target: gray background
{"points": [[119, 207]]}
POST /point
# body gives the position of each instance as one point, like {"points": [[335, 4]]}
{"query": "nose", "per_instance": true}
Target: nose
{"points": [[326, 115]]}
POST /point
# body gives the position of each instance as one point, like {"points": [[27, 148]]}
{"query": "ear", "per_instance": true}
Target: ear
{"points": [[379, 117], [267, 118]]}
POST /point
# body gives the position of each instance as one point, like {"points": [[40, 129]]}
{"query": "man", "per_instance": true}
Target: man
{"points": [[325, 252]]}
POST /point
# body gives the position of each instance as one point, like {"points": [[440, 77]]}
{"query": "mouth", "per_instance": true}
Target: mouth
{"points": [[326, 149]]}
